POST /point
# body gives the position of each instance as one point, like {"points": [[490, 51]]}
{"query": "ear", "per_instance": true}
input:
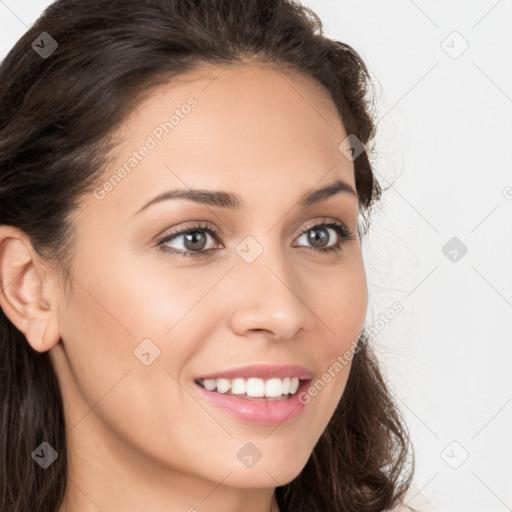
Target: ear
{"points": [[27, 292]]}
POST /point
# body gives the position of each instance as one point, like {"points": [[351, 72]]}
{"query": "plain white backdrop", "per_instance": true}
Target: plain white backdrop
{"points": [[441, 240]]}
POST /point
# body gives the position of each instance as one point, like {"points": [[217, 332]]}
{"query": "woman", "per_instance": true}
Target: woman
{"points": [[183, 185]]}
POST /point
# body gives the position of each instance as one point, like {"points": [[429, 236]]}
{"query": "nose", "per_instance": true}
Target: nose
{"points": [[267, 299]]}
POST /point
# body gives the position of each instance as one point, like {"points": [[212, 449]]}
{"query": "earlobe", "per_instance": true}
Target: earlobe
{"points": [[25, 295]]}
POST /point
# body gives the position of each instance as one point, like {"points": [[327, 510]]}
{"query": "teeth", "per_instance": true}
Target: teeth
{"points": [[238, 386], [274, 387], [253, 387], [223, 385], [210, 384]]}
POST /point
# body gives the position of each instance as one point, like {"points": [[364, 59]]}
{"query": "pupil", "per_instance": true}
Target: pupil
{"points": [[191, 240], [324, 236]]}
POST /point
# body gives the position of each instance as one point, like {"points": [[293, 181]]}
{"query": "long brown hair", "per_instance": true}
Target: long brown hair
{"points": [[57, 111]]}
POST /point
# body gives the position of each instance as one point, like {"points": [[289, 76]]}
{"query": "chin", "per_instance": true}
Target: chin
{"points": [[272, 473]]}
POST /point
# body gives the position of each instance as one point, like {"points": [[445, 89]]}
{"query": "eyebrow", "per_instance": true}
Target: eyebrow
{"points": [[233, 201]]}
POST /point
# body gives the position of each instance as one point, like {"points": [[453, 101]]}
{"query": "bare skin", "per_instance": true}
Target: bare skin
{"points": [[141, 437]]}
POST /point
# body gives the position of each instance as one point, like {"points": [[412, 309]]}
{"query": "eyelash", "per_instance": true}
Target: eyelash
{"points": [[341, 229]]}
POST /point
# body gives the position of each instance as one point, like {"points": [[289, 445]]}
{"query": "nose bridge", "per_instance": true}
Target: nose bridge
{"points": [[267, 296]]}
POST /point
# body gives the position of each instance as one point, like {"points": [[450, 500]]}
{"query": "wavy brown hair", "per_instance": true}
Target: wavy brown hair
{"points": [[57, 115]]}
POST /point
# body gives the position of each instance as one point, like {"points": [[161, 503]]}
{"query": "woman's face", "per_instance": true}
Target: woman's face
{"points": [[147, 317]]}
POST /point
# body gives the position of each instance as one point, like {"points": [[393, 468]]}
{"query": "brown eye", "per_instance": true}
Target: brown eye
{"points": [[190, 241], [194, 240], [319, 236]]}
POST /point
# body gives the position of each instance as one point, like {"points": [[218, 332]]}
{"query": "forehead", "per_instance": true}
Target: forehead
{"points": [[247, 127]]}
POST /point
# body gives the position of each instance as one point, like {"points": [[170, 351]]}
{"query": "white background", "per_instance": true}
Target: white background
{"points": [[444, 149]]}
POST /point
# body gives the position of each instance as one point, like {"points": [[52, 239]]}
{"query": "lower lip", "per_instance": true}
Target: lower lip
{"points": [[265, 412]]}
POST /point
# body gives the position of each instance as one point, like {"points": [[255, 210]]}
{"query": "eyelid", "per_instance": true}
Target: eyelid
{"points": [[189, 226], [199, 225], [320, 221], [344, 233]]}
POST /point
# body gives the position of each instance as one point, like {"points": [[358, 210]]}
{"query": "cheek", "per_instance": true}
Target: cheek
{"points": [[107, 319], [120, 310], [342, 309], [341, 302], [324, 395]]}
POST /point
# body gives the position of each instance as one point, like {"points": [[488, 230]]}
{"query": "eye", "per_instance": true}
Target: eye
{"points": [[319, 235], [193, 240]]}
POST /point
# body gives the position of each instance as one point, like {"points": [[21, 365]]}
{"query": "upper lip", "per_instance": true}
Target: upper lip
{"points": [[262, 371]]}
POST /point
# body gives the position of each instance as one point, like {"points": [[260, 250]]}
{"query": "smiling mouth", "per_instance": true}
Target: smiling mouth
{"points": [[264, 401], [254, 389]]}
